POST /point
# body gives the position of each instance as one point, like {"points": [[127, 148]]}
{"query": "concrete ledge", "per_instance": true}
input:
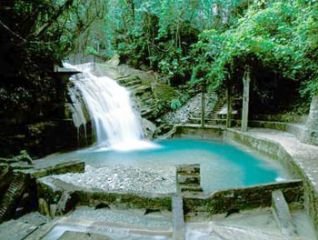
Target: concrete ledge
{"points": [[282, 126], [276, 151], [296, 129], [242, 198]]}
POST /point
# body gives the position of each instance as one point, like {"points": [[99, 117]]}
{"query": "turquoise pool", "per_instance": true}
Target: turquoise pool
{"points": [[222, 165]]}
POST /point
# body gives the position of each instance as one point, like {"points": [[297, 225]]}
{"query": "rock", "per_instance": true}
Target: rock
{"points": [[43, 207], [65, 204], [53, 208], [191, 109], [151, 96], [114, 61], [22, 157], [149, 128], [310, 134]]}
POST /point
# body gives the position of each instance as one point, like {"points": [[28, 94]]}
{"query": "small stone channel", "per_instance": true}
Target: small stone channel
{"points": [[74, 210]]}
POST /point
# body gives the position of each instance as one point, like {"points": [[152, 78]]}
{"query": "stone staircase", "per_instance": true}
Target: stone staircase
{"points": [[188, 178], [211, 118], [12, 195]]}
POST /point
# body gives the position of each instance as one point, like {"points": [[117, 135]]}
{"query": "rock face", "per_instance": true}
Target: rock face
{"points": [[147, 90], [149, 128], [310, 135], [39, 139]]}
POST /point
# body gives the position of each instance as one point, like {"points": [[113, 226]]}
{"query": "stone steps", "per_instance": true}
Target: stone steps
{"points": [[12, 195], [188, 178]]}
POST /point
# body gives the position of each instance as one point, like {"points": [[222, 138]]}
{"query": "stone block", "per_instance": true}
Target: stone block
{"points": [[282, 214]]}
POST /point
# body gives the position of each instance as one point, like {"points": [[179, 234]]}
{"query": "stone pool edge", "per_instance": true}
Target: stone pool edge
{"points": [[270, 148], [277, 152]]}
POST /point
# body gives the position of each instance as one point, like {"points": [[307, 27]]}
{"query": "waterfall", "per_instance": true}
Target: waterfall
{"points": [[109, 107]]}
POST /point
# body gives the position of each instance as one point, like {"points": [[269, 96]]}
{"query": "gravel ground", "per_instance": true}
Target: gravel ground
{"points": [[124, 179]]}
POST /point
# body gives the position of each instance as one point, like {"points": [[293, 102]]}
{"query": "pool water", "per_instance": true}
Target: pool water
{"points": [[223, 165]]}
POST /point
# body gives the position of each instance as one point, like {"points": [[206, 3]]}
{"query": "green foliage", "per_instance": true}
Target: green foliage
{"points": [[36, 35], [181, 98], [209, 41], [175, 104], [158, 34], [282, 36]]}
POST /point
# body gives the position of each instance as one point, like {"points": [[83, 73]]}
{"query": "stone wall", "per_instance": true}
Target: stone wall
{"points": [[195, 131], [242, 198], [51, 192]]}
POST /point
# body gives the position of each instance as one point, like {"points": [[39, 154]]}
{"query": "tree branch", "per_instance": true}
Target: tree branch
{"points": [[12, 32], [58, 13]]}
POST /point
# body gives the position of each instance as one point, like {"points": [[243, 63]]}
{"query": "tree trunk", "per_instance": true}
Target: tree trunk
{"points": [[203, 107], [246, 96], [229, 106]]}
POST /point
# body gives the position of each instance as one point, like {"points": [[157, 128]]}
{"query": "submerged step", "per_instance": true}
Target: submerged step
{"points": [[282, 215], [188, 169], [190, 188], [188, 177]]}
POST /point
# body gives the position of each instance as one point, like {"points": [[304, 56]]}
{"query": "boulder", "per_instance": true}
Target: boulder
{"points": [[149, 128]]}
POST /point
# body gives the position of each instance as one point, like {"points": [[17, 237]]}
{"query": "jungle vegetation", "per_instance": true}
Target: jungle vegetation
{"points": [[189, 42]]}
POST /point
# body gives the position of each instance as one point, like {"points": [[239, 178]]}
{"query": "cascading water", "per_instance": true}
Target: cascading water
{"points": [[109, 108]]}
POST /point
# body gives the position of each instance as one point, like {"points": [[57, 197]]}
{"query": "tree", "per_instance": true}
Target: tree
{"points": [[35, 35]]}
